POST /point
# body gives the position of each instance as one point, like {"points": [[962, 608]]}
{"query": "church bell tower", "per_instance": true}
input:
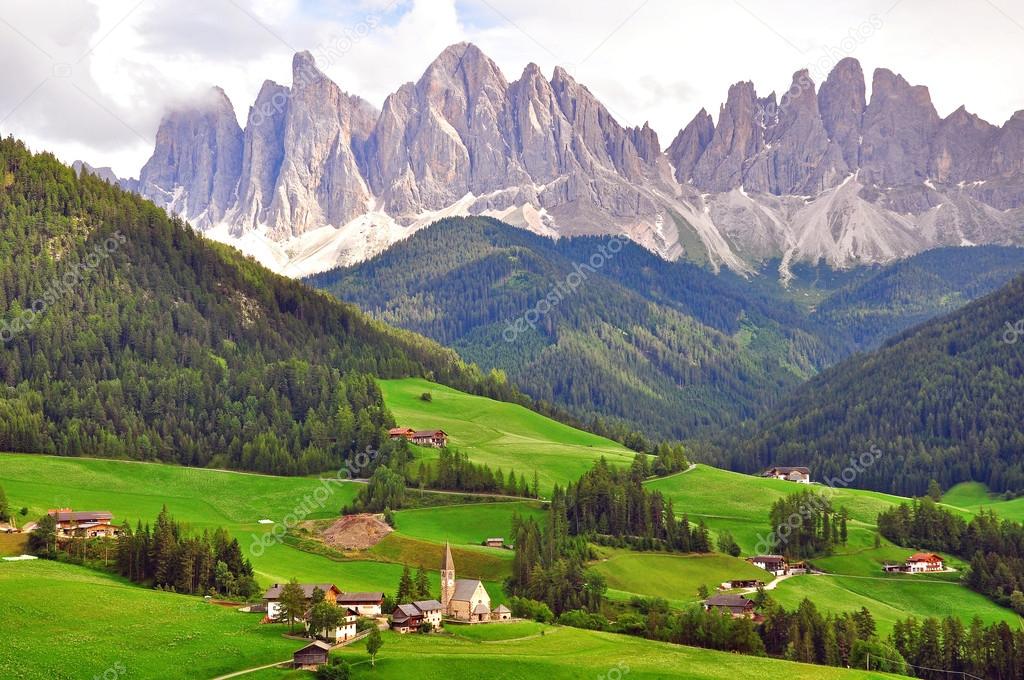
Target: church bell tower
{"points": [[447, 580]]}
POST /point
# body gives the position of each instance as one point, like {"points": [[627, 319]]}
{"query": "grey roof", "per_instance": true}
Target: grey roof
{"points": [[502, 609], [731, 601], [427, 605], [408, 611], [274, 591], [323, 646], [448, 564], [481, 609], [352, 598], [786, 469], [89, 516], [464, 589]]}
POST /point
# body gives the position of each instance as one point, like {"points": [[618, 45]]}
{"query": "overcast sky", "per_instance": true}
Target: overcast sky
{"points": [[90, 79]]}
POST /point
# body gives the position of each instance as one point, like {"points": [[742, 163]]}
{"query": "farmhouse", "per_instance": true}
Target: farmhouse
{"points": [[495, 542], [431, 610], [918, 563], [790, 474], [272, 597], [463, 599], [86, 523], [406, 618], [736, 606], [345, 630], [401, 433], [436, 438], [311, 656], [776, 564], [364, 604]]}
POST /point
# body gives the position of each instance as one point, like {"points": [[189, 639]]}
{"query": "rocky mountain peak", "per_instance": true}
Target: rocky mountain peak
{"points": [[819, 174]]}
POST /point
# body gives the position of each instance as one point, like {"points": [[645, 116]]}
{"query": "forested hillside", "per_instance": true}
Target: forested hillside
{"points": [[669, 347], [944, 400], [883, 301], [125, 334]]}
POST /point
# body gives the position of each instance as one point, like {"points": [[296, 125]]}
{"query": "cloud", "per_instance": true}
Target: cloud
{"points": [[647, 60]]}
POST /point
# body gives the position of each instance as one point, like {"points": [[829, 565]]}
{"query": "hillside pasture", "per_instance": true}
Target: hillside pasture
{"points": [[499, 434], [137, 632]]}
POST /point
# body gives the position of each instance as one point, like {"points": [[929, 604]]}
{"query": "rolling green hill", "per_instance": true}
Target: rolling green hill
{"points": [[673, 577], [729, 501], [975, 496], [206, 499], [500, 434], [559, 653], [115, 626]]}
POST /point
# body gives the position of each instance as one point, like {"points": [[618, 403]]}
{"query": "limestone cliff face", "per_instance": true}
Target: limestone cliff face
{"points": [[196, 164], [819, 173]]}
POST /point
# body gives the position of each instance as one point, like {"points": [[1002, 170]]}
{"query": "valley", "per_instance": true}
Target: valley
{"points": [[474, 378]]}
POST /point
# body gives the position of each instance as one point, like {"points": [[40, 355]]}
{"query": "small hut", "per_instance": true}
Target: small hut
{"points": [[311, 656]]}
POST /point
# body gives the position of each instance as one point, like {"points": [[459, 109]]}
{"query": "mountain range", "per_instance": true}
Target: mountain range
{"points": [[319, 177]]}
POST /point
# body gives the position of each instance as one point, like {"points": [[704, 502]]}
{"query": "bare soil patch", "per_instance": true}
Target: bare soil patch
{"points": [[356, 532]]}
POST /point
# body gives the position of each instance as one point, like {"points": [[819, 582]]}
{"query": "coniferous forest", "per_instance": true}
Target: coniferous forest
{"points": [[127, 335]]}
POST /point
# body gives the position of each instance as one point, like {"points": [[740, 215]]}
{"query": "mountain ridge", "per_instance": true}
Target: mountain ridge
{"points": [[319, 178]]}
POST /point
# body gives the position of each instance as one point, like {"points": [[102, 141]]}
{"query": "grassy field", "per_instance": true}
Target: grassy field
{"points": [[673, 577], [738, 503], [62, 621], [203, 498], [571, 654], [890, 599], [973, 496], [464, 524], [501, 435]]}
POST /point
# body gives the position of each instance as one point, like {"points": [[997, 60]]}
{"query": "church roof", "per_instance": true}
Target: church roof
{"points": [[481, 609], [449, 563], [464, 589]]}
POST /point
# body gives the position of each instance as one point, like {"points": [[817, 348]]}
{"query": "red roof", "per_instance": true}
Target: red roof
{"points": [[924, 557]]}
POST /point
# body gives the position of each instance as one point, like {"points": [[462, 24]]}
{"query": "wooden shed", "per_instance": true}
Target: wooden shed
{"points": [[311, 655]]}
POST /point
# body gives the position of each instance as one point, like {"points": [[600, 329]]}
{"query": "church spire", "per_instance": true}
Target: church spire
{"points": [[449, 563], [447, 580]]}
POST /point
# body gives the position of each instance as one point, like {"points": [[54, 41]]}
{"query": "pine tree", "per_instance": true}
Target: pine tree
{"points": [[405, 586]]}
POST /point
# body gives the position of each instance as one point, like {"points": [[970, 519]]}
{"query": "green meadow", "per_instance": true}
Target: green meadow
{"points": [[62, 621], [975, 496], [671, 576], [891, 598], [464, 524], [499, 434], [738, 503], [237, 501], [558, 653]]}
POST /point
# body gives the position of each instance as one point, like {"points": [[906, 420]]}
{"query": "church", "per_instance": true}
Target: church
{"points": [[463, 599]]}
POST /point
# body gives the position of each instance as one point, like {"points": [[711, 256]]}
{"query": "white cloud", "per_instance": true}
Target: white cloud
{"points": [[659, 60]]}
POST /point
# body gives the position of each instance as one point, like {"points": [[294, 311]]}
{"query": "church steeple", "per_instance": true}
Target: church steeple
{"points": [[447, 579]]}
